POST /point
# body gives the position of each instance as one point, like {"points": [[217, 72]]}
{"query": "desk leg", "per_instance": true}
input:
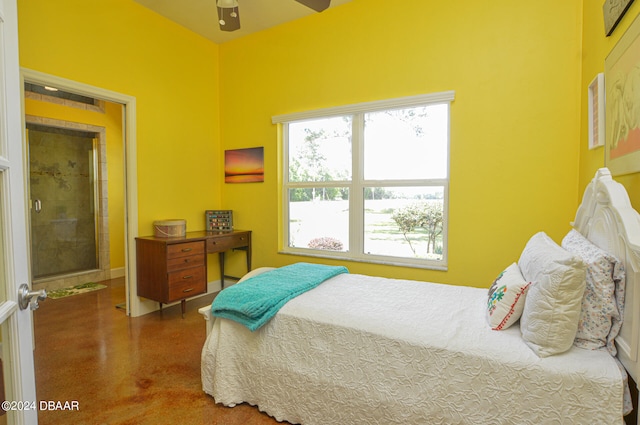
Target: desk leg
{"points": [[248, 258], [221, 258]]}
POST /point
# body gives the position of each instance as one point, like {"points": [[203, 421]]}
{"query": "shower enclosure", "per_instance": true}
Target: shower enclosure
{"points": [[63, 185]]}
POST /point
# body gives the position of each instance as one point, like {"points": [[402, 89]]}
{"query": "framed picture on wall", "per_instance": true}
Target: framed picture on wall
{"points": [[596, 112], [622, 87], [613, 11], [244, 165]]}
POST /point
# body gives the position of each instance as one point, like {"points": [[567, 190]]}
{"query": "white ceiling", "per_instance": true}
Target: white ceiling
{"points": [[201, 16]]}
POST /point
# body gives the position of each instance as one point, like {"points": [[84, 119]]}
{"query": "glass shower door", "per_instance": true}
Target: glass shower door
{"points": [[62, 170]]}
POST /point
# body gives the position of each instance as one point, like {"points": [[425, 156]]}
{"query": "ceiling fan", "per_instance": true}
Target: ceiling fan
{"points": [[229, 15]]}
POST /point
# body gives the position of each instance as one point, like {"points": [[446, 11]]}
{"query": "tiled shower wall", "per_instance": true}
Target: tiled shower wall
{"points": [[63, 234]]}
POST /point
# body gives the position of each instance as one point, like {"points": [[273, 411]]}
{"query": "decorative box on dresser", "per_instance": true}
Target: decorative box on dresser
{"points": [[174, 269]]}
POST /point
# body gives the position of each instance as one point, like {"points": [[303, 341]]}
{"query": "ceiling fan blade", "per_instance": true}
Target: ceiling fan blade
{"points": [[317, 5], [228, 18]]}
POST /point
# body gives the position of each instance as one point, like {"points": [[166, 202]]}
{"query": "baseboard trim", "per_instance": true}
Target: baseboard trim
{"points": [[118, 272]]}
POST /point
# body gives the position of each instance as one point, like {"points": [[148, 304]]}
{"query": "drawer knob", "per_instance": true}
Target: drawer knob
{"points": [[187, 277], [186, 249], [188, 290], [186, 260]]}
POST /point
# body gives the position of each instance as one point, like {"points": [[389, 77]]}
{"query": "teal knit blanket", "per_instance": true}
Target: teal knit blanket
{"points": [[256, 300]]}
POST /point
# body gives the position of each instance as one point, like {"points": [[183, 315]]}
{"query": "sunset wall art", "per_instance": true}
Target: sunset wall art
{"points": [[244, 165]]}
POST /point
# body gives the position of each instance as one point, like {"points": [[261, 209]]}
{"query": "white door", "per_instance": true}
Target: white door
{"points": [[19, 404]]}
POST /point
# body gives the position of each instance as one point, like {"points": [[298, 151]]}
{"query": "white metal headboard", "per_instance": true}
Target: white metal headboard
{"points": [[607, 218]]}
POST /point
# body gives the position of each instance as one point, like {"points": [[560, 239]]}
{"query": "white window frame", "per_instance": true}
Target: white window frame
{"points": [[357, 183]]}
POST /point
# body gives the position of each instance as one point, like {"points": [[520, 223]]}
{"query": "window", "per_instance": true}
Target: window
{"points": [[368, 182], [54, 95]]}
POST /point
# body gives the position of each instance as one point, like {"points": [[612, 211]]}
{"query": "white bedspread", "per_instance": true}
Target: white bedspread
{"points": [[369, 350]]}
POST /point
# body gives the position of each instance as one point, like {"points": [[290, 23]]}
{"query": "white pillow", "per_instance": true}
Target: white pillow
{"points": [[506, 298], [603, 300], [552, 308]]}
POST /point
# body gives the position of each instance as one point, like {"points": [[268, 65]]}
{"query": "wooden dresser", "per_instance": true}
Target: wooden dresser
{"points": [[170, 270], [174, 269]]}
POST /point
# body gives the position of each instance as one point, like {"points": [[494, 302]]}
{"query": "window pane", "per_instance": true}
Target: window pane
{"points": [[406, 143], [319, 218], [320, 150], [404, 221]]}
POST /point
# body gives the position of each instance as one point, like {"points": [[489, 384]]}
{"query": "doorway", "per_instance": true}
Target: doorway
{"points": [[128, 209]]}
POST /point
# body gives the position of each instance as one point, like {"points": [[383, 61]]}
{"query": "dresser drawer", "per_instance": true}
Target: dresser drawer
{"points": [[186, 290], [187, 283], [179, 263], [223, 243], [185, 249], [187, 275]]}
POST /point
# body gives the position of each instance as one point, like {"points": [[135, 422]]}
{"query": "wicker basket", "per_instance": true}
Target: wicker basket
{"points": [[170, 228]]}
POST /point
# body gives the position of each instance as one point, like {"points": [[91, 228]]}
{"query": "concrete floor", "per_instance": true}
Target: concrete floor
{"points": [[121, 370]]}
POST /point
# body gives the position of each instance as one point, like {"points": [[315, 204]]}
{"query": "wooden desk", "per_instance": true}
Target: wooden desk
{"points": [[172, 269]]}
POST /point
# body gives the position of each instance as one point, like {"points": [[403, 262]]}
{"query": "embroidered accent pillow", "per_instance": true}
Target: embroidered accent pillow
{"points": [[506, 298], [549, 321], [603, 301]]}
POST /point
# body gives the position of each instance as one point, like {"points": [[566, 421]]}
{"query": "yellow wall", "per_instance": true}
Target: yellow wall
{"points": [[515, 122], [121, 46], [596, 48], [111, 120], [519, 157]]}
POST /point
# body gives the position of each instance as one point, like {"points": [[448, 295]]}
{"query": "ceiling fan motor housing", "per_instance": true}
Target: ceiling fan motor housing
{"points": [[229, 14]]}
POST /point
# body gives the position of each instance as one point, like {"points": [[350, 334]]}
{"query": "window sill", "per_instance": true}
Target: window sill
{"points": [[338, 256]]}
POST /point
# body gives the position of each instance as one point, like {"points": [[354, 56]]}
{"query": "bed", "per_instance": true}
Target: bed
{"points": [[360, 349]]}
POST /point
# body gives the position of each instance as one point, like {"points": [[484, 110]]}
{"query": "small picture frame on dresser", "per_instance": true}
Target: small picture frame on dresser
{"points": [[219, 220]]}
